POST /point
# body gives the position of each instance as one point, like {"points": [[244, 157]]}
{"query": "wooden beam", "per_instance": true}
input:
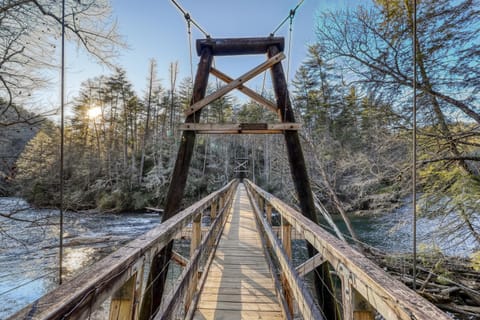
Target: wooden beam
{"points": [[235, 83], [239, 128], [247, 91], [310, 265], [238, 46], [179, 259]]}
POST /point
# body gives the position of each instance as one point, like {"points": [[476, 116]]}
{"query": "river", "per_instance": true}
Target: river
{"points": [[29, 250]]}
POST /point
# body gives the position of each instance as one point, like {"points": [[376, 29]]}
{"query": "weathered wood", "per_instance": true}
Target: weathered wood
{"points": [[362, 310], [158, 270], [392, 299], [268, 213], [239, 128], [310, 265], [306, 305], [122, 305], [179, 259], [247, 91], [95, 284], [322, 280], [239, 46], [236, 274], [287, 238], [198, 105]]}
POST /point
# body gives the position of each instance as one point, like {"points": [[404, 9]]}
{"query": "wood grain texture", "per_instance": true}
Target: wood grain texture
{"points": [[239, 284]]}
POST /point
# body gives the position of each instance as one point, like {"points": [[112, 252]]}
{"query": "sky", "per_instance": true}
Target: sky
{"points": [[156, 29]]}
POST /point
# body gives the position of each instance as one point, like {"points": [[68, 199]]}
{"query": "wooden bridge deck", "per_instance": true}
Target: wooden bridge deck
{"points": [[239, 284]]}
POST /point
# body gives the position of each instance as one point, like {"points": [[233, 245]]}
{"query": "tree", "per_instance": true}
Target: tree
{"points": [[30, 30], [375, 45]]}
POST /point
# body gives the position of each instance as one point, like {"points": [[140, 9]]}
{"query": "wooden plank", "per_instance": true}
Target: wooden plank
{"points": [[238, 46], [247, 91], [239, 280], [235, 83], [203, 314], [388, 296], [239, 306], [235, 297]]}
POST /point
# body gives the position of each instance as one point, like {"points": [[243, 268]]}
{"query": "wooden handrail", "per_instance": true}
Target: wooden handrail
{"points": [[389, 297], [75, 299]]}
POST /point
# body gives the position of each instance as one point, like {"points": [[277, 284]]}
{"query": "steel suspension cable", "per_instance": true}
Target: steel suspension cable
{"points": [[290, 16], [189, 18], [62, 142], [414, 141]]}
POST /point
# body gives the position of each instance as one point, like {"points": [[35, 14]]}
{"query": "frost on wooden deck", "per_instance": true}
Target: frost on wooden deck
{"points": [[239, 284]]}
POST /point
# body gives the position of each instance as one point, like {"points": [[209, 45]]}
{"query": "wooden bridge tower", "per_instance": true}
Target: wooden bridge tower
{"points": [[207, 49]]}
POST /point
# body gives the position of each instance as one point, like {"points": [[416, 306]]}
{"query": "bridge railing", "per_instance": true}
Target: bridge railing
{"points": [[119, 276], [365, 288]]}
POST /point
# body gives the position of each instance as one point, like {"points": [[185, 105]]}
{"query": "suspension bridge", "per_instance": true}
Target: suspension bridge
{"points": [[240, 262]]}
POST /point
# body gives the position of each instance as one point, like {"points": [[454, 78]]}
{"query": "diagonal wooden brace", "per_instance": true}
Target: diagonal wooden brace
{"points": [[247, 91], [310, 265], [235, 83]]}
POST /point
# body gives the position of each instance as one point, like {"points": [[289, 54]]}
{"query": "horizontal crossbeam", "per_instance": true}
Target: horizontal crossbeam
{"points": [[239, 128], [235, 83], [238, 46]]}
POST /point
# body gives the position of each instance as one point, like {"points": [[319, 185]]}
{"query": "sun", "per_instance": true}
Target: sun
{"points": [[94, 112]]}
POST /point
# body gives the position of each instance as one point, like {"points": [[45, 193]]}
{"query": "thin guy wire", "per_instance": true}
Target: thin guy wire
{"points": [[62, 141], [414, 165], [189, 18]]}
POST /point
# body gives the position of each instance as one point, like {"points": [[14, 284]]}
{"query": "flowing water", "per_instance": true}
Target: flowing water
{"points": [[29, 244]]}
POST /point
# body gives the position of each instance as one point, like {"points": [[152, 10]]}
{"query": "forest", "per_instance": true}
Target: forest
{"points": [[352, 94]]}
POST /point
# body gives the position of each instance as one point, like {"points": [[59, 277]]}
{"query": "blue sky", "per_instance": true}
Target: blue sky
{"points": [[156, 29]]}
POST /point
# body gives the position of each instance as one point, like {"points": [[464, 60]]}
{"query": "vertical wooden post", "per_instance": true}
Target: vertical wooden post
{"points": [[362, 310], [347, 300], [213, 210], [122, 306], [196, 234], [196, 238], [269, 213], [298, 169], [286, 235], [221, 202], [260, 204], [158, 271]]}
